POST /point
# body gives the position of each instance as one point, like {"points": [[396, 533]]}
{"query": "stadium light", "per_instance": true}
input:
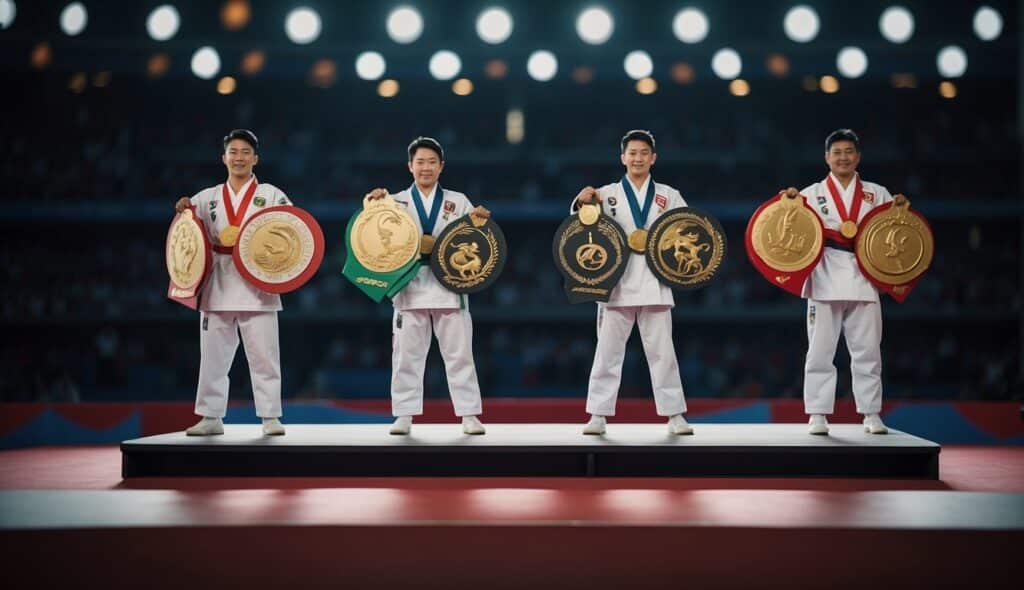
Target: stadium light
{"points": [[370, 65], [739, 87], [302, 25], [73, 18], [690, 25], [646, 86], [727, 64], [205, 62], [852, 62], [494, 25], [595, 25], [404, 25], [163, 22], [8, 10], [445, 65], [387, 88], [638, 65], [801, 24], [988, 23], [896, 24], [951, 61], [542, 65]]}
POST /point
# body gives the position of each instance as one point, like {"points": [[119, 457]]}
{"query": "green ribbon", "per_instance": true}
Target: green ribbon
{"points": [[376, 285]]}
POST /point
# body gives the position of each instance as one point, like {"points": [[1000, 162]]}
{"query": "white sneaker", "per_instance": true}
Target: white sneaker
{"points": [[272, 427], [678, 425], [595, 425], [818, 424], [402, 425], [873, 424], [206, 427], [472, 425]]}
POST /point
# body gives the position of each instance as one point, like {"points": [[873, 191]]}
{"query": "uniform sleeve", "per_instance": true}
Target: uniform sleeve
{"points": [[883, 195], [280, 198], [467, 205], [195, 199], [678, 199]]}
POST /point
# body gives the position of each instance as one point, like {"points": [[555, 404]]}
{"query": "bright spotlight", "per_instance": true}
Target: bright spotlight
{"points": [[947, 89], [387, 88], [801, 24], [445, 65], [896, 24], [74, 18], [226, 85], [542, 65], [690, 25], [646, 86], [205, 62], [494, 25], [8, 10], [370, 65], [638, 65], [829, 84], [852, 62], [952, 62], [302, 26], [988, 23], [405, 25], [163, 22], [739, 87], [462, 87], [727, 64], [594, 26]]}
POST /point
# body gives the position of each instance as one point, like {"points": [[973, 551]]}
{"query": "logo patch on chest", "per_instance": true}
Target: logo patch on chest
{"points": [[869, 198], [449, 207], [259, 201], [661, 201]]}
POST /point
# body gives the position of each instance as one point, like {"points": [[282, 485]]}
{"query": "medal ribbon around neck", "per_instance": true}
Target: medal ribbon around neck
{"points": [[858, 198], [427, 221], [233, 218], [639, 215]]}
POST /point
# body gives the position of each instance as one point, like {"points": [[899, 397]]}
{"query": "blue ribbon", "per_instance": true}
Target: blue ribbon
{"points": [[639, 216], [435, 208]]}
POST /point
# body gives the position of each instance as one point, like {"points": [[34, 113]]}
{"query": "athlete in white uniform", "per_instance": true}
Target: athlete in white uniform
{"points": [[839, 298], [639, 298], [228, 304], [424, 306]]}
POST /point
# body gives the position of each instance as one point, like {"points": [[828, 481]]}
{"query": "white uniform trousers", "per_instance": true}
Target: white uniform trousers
{"points": [[218, 341], [861, 324], [614, 325], [411, 335]]}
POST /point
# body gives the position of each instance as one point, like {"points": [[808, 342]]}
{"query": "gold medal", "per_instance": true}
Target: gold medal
{"points": [[426, 244], [589, 213], [848, 229], [229, 235], [638, 240]]}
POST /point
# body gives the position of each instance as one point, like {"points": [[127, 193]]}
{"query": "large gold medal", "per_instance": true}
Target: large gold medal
{"points": [[229, 235], [785, 240], [279, 249], [638, 240], [894, 248], [686, 248], [589, 213], [384, 237]]}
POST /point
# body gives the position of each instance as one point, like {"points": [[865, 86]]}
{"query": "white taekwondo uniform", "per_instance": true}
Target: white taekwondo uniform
{"points": [[841, 300], [423, 307], [638, 298], [228, 304]]}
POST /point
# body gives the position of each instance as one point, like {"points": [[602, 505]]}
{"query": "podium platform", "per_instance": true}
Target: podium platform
{"points": [[535, 450]]}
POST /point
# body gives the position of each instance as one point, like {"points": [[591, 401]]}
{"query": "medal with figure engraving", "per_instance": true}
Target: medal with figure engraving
{"points": [[189, 258], [685, 248], [383, 246], [785, 240], [279, 249], [591, 253], [894, 247], [469, 255]]}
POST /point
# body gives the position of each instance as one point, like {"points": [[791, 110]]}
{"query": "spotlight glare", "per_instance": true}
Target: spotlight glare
{"points": [[226, 85], [739, 87], [801, 24], [235, 14], [205, 62], [690, 25], [542, 65], [988, 25], [462, 87], [163, 22], [73, 19], [951, 61], [595, 26], [302, 26], [370, 65], [829, 84], [387, 88], [253, 62], [445, 65], [896, 24], [494, 25], [647, 86], [8, 10], [638, 65], [727, 64], [947, 89], [404, 25], [852, 62]]}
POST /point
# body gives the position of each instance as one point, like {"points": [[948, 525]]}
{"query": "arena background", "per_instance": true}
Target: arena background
{"points": [[104, 127]]}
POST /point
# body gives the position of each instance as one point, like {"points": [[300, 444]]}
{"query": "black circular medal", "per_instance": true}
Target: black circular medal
{"points": [[591, 257], [469, 254], [685, 248]]}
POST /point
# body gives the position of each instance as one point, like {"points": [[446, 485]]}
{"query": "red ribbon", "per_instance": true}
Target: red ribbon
{"points": [[236, 219]]}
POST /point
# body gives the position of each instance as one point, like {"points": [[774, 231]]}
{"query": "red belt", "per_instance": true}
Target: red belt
{"points": [[223, 249], [834, 239]]}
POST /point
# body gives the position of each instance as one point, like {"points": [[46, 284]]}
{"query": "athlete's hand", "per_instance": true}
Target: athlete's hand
{"points": [[377, 193], [790, 192], [900, 200], [182, 204], [480, 212], [588, 195]]}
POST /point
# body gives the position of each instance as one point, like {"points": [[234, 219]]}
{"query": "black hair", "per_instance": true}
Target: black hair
{"points": [[638, 135], [243, 134], [425, 142], [842, 135]]}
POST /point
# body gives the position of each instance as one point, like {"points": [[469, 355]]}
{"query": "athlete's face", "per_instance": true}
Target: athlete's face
{"points": [[842, 158], [425, 167], [638, 158], [240, 158]]}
